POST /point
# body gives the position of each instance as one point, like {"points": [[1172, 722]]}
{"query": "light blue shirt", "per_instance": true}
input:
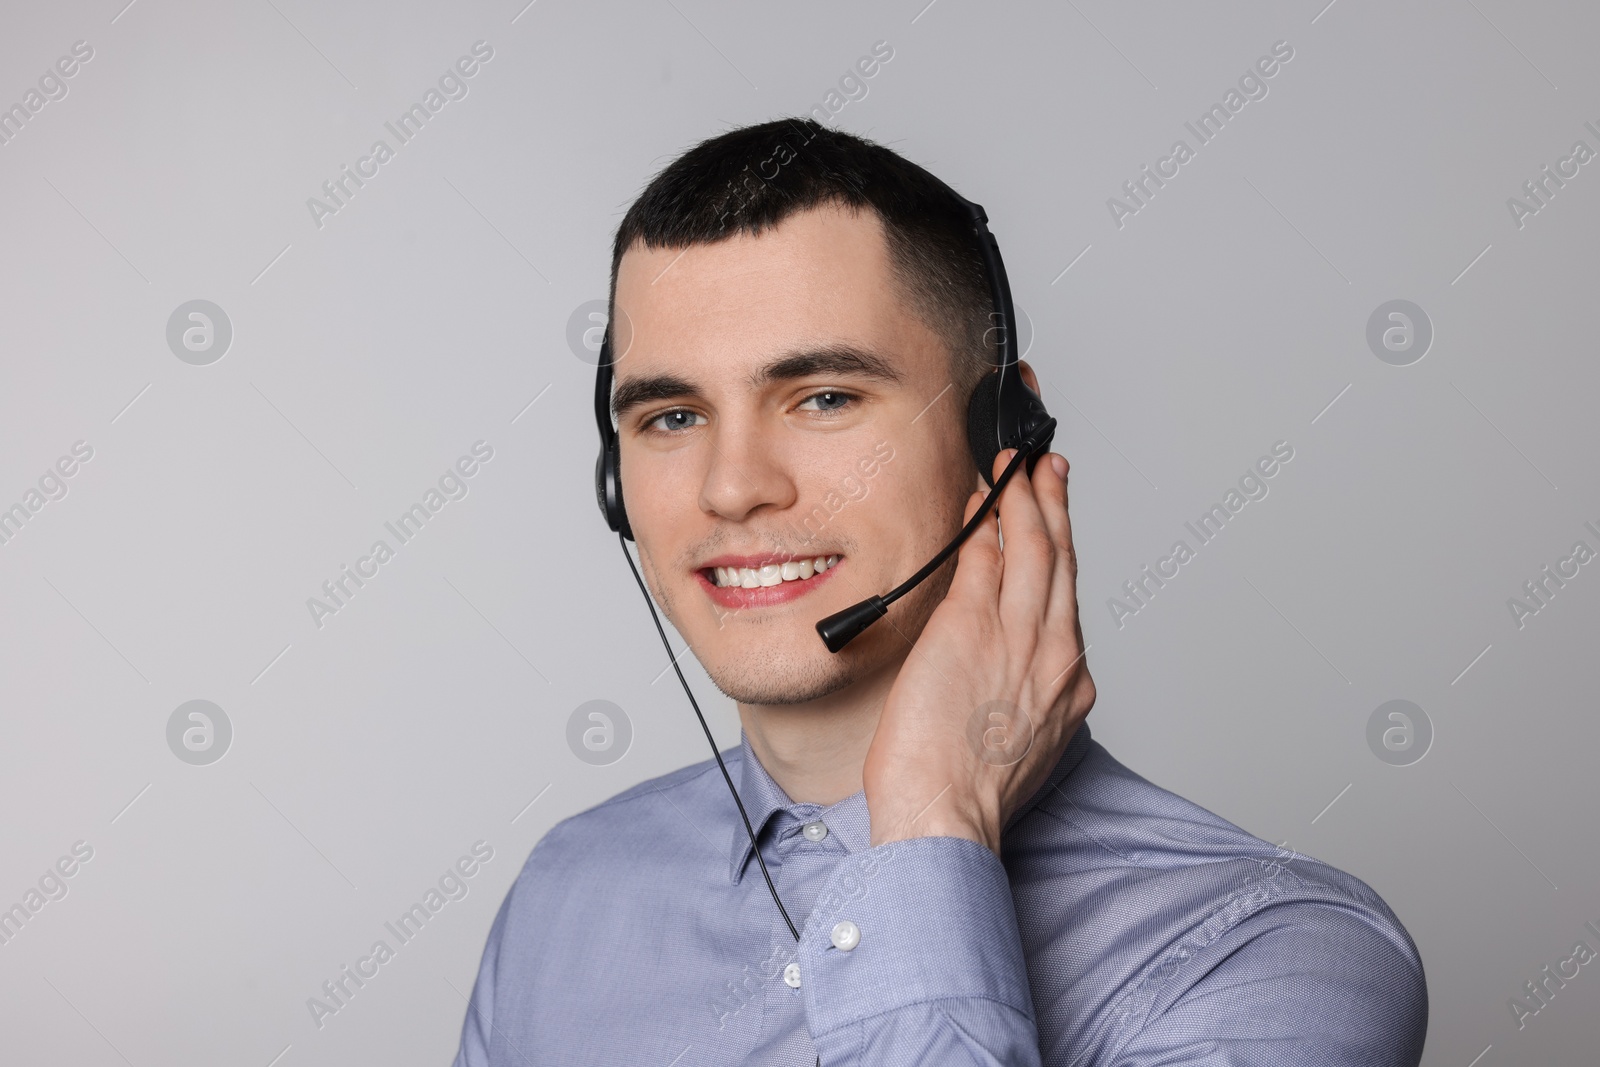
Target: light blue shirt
{"points": [[1125, 926]]}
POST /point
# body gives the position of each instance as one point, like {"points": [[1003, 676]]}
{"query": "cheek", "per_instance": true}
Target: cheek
{"points": [[914, 503], [658, 488], [659, 511]]}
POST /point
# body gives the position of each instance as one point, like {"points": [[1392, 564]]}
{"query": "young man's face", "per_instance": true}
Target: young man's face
{"points": [[739, 462]]}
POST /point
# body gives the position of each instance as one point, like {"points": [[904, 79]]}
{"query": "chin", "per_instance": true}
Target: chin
{"points": [[773, 679]]}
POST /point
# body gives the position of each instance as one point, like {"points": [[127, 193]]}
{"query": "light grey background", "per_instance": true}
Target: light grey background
{"points": [[368, 354]]}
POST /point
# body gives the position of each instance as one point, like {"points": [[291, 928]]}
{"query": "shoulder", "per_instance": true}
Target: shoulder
{"points": [[1109, 820], [599, 885], [1217, 935], [601, 877], [656, 820]]}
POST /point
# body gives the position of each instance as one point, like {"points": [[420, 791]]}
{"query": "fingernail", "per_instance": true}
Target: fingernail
{"points": [[1059, 465]]}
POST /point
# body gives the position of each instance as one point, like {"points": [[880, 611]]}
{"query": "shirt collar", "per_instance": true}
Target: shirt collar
{"points": [[848, 820]]}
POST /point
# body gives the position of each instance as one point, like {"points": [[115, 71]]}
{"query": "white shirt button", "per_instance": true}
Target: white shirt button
{"points": [[815, 830], [791, 976], [846, 935]]}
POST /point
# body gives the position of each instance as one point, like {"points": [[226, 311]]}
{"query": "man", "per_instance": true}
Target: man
{"points": [[798, 316]]}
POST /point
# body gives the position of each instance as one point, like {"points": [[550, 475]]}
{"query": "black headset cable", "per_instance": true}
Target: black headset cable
{"points": [[709, 739], [726, 777]]}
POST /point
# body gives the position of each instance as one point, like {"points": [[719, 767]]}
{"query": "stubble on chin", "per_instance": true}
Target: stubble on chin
{"points": [[770, 677]]}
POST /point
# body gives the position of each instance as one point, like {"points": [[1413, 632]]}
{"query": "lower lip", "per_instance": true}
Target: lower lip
{"points": [[765, 596]]}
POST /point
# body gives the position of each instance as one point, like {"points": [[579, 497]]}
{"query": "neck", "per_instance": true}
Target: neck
{"points": [[815, 751]]}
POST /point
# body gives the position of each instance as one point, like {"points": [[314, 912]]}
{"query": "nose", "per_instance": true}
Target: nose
{"points": [[746, 472]]}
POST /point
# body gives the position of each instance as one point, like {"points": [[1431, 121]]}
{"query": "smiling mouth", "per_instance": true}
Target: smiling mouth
{"points": [[787, 572]]}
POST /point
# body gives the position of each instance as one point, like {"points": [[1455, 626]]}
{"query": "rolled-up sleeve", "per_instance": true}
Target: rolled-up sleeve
{"points": [[929, 965]]}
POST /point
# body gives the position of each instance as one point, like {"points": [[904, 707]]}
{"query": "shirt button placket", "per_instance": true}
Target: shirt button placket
{"points": [[802, 870]]}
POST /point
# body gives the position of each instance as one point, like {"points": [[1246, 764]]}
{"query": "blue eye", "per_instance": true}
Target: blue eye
{"points": [[834, 394], [678, 414]]}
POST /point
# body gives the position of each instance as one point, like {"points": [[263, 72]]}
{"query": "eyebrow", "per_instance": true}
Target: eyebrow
{"points": [[835, 359]]}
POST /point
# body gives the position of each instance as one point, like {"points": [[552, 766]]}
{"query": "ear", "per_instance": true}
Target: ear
{"points": [[1028, 376]]}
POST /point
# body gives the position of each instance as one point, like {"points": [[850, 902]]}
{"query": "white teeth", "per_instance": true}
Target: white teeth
{"points": [[773, 573]]}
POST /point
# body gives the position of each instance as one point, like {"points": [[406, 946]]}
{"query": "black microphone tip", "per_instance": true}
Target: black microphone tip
{"points": [[838, 629]]}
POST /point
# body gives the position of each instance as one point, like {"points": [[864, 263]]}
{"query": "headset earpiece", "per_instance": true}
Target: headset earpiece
{"points": [[1002, 412], [608, 487], [983, 432], [608, 465]]}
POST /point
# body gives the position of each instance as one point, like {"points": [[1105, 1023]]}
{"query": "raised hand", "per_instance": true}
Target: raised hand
{"points": [[996, 684]]}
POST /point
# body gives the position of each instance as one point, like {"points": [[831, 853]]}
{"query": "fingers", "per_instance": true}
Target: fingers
{"points": [[1030, 554], [976, 585], [1052, 495], [1032, 582]]}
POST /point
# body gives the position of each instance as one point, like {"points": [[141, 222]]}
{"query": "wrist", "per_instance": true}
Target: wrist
{"points": [[935, 824]]}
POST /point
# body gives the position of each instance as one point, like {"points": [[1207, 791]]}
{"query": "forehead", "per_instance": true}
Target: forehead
{"points": [[819, 277]]}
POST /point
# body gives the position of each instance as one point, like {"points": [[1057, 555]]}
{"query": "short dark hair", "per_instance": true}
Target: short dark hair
{"points": [[721, 187]]}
